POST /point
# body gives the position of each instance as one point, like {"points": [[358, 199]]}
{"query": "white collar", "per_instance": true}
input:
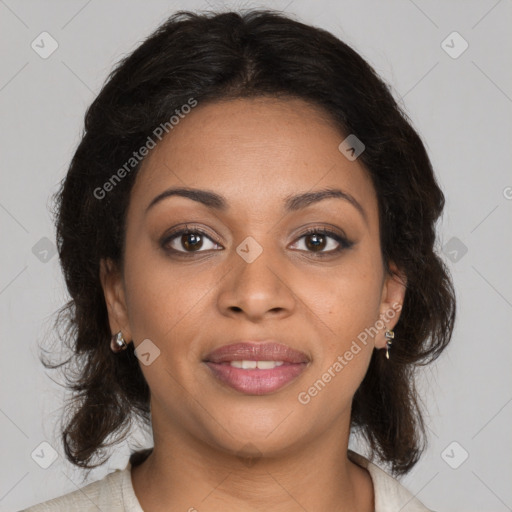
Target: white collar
{"points": [[390, 495]]}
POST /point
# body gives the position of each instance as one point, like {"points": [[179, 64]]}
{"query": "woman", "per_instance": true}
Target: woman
{"points": [[247, 233]]}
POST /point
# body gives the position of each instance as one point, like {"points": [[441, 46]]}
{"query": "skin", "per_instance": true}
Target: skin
{"points": [[255, 153]]}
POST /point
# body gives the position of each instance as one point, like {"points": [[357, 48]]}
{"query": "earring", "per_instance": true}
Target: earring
{"points": [[389, 335], [117, 343]]}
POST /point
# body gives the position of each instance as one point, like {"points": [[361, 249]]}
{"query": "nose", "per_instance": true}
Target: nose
{"points": [[257, 289]]}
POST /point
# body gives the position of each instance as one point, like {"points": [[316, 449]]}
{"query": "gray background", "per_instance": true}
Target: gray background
{"points": [[460, 106]]}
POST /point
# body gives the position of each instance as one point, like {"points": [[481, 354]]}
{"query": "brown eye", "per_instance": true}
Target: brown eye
{"points": [[189, 241], [322, 242], [316, 242]]}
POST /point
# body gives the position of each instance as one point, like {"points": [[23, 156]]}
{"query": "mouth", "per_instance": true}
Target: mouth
{"points": [[256, 368]]}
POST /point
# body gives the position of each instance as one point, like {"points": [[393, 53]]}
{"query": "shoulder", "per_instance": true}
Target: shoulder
{"points": [[114, 493], [390, 494]]}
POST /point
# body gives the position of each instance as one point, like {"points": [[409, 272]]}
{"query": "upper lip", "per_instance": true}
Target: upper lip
{"points": [[256, 351]]}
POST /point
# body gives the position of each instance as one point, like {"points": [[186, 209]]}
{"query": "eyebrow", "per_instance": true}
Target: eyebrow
{"points": [[292, 203]]}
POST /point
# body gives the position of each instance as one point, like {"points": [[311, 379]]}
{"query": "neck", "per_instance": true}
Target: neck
{"points": [[194, 476]]}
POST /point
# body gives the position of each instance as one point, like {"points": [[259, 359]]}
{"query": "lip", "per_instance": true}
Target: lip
{"points": [[256, 381], [256, 351]]}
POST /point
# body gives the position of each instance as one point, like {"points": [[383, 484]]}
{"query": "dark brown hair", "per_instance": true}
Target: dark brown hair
{"points": [[219, 56]]}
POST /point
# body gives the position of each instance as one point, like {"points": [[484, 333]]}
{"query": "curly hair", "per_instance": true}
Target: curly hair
{"points": [[221, 56]]}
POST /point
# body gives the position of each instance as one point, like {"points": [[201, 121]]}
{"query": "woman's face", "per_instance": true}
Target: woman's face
{"points": [[252, 274]]}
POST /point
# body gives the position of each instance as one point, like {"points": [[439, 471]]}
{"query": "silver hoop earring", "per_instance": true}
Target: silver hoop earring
{"points": [[389, 335], [117, 343]]}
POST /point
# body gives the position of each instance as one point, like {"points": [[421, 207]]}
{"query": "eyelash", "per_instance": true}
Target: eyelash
{"points": [[344, 243]]}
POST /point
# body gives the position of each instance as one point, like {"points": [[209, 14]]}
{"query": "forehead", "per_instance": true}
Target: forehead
{"points": [[255, 151]]}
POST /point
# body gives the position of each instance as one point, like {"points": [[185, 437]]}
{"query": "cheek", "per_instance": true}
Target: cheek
{"points": [[345, 306], [347, 300], [161, 296]]}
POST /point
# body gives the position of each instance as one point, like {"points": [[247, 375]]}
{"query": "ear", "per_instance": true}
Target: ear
{"points": [[392, 300], [113, 290]]}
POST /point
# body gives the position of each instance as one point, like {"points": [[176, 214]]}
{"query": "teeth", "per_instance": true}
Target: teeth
{"points": [[261, 365]]}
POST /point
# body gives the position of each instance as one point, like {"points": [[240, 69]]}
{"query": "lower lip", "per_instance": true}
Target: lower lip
{"points": [[256, 382]]}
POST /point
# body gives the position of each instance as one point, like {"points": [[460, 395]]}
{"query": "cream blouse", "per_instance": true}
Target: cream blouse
{"points": [[114, 493]]}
